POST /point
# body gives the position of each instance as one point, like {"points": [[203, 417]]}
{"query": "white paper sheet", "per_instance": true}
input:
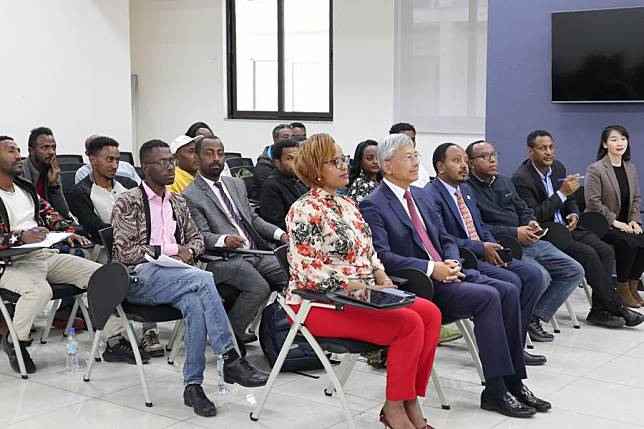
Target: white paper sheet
{"points": [[167, 262], [51, 239]]}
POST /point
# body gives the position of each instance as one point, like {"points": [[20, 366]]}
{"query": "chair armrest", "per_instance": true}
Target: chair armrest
{"points": [[312, 295], [225, 252], [398, 281], [468, 259], [416, 282], [509, 242]]}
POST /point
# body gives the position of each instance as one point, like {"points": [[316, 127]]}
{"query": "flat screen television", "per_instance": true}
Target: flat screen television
{"points": [[598, 56]]}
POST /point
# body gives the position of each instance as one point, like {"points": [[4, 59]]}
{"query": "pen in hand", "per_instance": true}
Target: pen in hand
{"points": [[579, 177]]}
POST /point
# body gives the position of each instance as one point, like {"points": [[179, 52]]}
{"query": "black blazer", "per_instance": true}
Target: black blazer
{"points": [[531, 189], [277, 195]]}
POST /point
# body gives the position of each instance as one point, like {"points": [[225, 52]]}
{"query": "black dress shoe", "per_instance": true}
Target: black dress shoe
{"points": [[533, 360], [537, 333], [194, 396], [632, 318], [605, 318], [525, 396], [121, 351], [241, 372], [30, 366], [507, 405]]}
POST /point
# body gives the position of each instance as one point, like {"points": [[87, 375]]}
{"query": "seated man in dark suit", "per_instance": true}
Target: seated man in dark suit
{"points": [[542, 183], [505, 213], [219, 207], [407, 233], [457, 207], [282, 188]]}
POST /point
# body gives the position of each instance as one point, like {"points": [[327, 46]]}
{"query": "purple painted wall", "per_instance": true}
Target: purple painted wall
{"points": [[519, 88]]}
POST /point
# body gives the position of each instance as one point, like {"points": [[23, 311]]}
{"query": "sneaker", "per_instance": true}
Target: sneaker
{"points": [[449, 333], [122, 352], [537, 333], [150, 343], [30, 366]]}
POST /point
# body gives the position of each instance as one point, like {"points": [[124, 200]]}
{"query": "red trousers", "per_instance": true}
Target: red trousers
{"points": [[411, 333]]}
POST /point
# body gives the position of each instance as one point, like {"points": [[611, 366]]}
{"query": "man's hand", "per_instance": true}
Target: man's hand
{"points": [[572, 220], [570, 185], [637, 229], [448, 271], [235, 241], [53, 172], [284, 238], [490, 254], [34, 235], [525, 235], [74, 239], [184, 254]]}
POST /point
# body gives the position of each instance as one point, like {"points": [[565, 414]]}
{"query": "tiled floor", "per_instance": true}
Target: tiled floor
{"points": [[594, 378]]}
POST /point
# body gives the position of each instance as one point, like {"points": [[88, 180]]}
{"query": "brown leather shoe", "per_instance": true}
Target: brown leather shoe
{"points": [[633, 285], [624, 290]]}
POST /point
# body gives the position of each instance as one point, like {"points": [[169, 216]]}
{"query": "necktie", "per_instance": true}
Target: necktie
{"points": [[420, 228], [467, 217], [236, 219]]}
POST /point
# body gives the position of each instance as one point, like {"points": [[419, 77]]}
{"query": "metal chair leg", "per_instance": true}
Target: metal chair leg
{"points": [[472, 348], [469, 325], [137, 354], [573, 315], [93, 352], [343, 370], [439, 389], [14, 340], [176, 345], [50, 319], [88, 320], [72, 317], [528, 342], [173, 335], [587, 291], [258, 316], [555, 325]]}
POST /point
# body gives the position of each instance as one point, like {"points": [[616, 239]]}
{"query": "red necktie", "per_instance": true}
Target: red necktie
{"points": [[420, 228], [467, 217]]}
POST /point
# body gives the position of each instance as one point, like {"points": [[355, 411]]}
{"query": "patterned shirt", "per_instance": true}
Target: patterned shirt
{"points": [[361, 187], [329, 244]]}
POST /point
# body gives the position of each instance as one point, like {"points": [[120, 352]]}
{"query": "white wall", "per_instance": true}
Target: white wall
{"points": [[178, 54], [66, 65]]}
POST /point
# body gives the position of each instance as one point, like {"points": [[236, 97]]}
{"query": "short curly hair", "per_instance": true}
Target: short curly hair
{"points": [[311, 156]]}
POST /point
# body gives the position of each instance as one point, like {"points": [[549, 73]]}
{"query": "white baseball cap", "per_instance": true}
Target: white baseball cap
{"points": [[181, 141]]}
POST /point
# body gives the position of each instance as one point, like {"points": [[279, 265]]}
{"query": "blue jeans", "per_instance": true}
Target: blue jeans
{"points": [[561, 276], [193, 292]]}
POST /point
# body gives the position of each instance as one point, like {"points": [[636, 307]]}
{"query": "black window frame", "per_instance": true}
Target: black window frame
{"points": [[231, 68]]}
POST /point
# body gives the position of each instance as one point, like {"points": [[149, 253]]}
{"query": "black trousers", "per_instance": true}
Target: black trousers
{"points": [[597, 259], [629, 252]]}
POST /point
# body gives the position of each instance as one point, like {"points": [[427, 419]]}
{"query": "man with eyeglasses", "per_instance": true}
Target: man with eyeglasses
{"points": [[150, 221], [408, 232], [505, 213], [541, 181]]}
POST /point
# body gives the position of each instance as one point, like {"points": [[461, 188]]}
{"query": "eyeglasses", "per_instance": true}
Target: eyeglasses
{"points": [[488, 156], [548, 148], [163, 163], [338, 162]]}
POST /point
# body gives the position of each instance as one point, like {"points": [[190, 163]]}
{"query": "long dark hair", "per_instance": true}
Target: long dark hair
{"points": [[356, 167], [604, 139]]}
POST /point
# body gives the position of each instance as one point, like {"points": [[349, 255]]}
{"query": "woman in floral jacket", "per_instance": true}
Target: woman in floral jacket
{"points": [[330, 249]]}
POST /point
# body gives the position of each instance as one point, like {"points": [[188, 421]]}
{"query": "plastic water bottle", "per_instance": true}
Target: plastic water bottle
{"points": [[222, 388], [71, 364]]}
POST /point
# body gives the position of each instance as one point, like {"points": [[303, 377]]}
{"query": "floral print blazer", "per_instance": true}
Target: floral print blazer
{"points": [[329, 244]]}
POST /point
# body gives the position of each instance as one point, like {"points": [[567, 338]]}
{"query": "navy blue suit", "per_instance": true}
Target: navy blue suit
{"points": [[491, 303], [527, 278]]}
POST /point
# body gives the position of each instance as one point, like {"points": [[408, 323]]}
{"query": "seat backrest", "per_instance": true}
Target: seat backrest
{"points": [[107, 237], [127, 157], [232, 155], [418, 282], [139, 171], [281, 254], [239, 162], [70, 166], [242, 171], [580, 198], [67, 179], [106, 289], [69, 159]]}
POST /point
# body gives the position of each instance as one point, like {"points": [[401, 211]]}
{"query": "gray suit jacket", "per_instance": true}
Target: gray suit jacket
{"points": [[602, 194], [212, 221]]}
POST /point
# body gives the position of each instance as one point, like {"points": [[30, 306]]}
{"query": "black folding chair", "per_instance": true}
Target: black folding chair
{"points": [[9, 299], [127, 157], [232, 155], [239, 162], [69, 159]]}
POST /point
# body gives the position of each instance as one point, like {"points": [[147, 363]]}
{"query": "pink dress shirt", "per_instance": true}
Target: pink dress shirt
{"points": [[162, 226]]}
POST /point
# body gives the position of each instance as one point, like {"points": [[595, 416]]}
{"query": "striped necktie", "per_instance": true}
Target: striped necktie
{"points": [[236, 218]]}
